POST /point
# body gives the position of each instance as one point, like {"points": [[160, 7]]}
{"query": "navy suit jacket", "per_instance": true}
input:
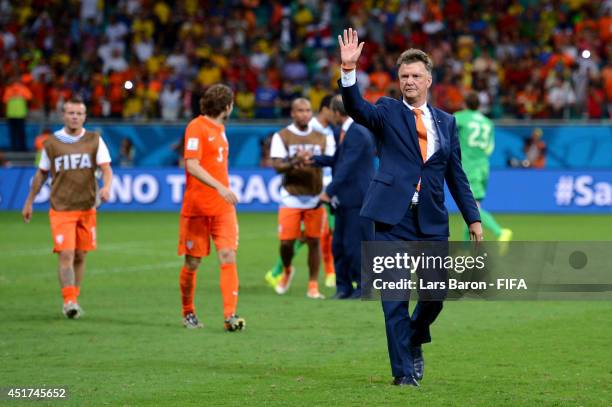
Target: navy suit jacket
{"points": [[352, 167], [401, 165]]}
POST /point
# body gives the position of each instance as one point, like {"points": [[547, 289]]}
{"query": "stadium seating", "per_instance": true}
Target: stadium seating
{"points": [[139, 60]]}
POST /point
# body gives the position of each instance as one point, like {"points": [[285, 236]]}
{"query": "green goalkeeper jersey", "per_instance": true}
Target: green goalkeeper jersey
{"points": [[476, 139]]}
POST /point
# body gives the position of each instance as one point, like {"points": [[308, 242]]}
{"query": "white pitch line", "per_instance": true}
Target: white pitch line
{"points": [[119, 246], [52, 272], [139, 267], [42, 251]]}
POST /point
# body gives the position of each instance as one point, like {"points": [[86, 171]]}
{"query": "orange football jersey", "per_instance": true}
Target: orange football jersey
{"points": [[205, 140]]}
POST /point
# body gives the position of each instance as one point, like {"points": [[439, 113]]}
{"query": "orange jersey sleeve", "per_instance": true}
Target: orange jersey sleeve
{"points": [[193, 144]]}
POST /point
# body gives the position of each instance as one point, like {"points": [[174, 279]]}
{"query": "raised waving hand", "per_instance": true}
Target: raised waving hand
{"points": [[350, 49]]}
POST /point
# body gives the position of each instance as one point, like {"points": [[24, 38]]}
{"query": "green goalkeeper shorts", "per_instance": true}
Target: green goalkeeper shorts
{"points": [[478, 179]]}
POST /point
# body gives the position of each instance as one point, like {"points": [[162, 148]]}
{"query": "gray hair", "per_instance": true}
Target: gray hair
{"points": [[337, 105], [415, 55]]}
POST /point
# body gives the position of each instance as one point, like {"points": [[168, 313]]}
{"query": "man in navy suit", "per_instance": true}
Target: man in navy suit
{"points": [[419, 150], [353, 168]]}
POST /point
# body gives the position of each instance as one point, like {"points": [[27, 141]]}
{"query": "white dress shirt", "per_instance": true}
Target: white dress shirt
{"points": [[347, 123]]}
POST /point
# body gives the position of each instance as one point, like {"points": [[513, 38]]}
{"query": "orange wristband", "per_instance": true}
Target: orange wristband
{"points": [[347, 68]]}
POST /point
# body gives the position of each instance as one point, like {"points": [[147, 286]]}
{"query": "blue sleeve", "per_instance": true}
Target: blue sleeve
{"points": [[352, 148], [362, 111], [324, 160]]}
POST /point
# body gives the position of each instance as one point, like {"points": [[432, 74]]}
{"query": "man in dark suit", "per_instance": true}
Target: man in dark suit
{"points": [[419, 150], [353, 168]]}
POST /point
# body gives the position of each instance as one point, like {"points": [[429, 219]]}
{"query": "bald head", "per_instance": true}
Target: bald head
{"points": [[300, 102], [301, 113]]}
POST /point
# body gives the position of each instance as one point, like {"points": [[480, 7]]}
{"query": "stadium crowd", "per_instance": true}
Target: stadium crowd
{"points": [[148, 59]]}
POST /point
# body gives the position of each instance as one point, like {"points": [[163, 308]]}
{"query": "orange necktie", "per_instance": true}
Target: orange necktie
{"points": [[422, 132], [342, 134]]}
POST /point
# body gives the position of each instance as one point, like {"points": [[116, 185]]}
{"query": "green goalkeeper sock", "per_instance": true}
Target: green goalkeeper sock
{"points": [[277, 270], [488, 221]]}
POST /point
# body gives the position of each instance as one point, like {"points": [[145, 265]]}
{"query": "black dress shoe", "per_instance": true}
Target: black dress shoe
{"points": [[341, 296], [418, 362], [405, 381], [356, 295]]}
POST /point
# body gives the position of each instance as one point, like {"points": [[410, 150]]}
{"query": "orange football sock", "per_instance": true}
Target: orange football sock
{"points": [[187, 282], [229, 288], [68, 293], [313, 285], [326, 250], [77, 291]]}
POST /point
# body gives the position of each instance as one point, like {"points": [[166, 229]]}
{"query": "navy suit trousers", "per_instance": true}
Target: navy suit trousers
{"points": [[405, 331], [350, 230]]}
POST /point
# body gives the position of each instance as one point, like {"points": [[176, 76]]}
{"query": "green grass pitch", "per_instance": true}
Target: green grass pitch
{"points": [[131, 349]]}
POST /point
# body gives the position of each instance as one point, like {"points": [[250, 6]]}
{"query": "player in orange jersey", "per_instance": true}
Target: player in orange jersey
{"points": [[71, 155], [208, 206]]}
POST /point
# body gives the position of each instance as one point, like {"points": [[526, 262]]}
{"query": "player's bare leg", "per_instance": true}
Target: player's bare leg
{"points": [[79, 269], [275, 274], [314, 262], [66, 278], [192, 263], [187, 282], [228, 280], [66, 268], [287, 252]]}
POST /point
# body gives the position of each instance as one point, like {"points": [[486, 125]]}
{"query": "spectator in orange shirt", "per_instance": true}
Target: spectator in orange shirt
{"points": [[535, 150], [558, 59], [16, 98], [372, 93], [447, 94], [380, 77], [37, 108], [58, 93], [116, 94], [454, 95], [528, 102], [98, 95]]}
